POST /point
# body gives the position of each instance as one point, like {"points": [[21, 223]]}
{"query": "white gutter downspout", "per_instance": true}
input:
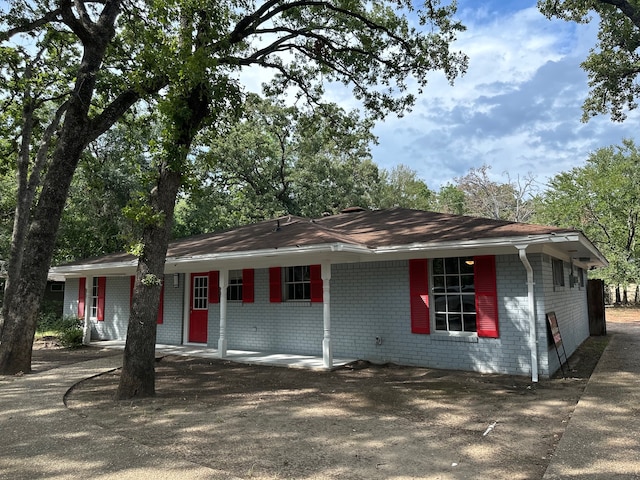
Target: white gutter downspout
{"points": [[327, 348], [533, 342]]}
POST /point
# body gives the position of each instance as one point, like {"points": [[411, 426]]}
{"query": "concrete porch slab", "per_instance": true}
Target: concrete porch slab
{"points": [[239, 356]]}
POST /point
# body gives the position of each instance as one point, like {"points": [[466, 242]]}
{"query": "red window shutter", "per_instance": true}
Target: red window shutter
{"points": [[315, 272], [419, 295], [275, 285], [214, 286], [82, 295], [486, 296], [247, 285], [161, 305], [102, 284]]}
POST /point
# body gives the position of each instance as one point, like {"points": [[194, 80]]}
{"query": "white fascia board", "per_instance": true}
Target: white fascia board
{"points": [[553, 240], [103, 269], [271, 257], [336, 252], [594, 251], [474, 244], [261, 258]]}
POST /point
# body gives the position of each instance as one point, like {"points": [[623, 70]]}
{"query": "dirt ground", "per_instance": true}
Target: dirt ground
{"points": [[358, 422]]}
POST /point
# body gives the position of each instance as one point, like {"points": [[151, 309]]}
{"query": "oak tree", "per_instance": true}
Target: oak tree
{"points": [[95, 82], [602, 198], [376, 48]]}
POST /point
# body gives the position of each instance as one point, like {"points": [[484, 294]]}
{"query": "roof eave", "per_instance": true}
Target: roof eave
{"points": [[595, 258], [346, 253], [257, 258]]}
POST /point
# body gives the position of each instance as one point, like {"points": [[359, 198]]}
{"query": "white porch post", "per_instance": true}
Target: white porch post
{"points": [[222, 341], [88, 298], [327, 349]]}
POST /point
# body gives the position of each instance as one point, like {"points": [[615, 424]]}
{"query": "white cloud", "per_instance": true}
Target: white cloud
{"points": [[517, 109]]}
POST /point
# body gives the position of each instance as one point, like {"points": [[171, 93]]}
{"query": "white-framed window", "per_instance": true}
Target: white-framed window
{"points": [[557, 267], [94, 299], [297, 283], [581, 275], [200, 292], [454, 294], [234, 290]]}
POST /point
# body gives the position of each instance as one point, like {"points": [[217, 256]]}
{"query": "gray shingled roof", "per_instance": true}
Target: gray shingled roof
{"points": [[365, 229]]}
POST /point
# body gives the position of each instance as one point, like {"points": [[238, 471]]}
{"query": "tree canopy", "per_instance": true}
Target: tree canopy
{"points": [[612, 65], [602, 199], [184, 57]]}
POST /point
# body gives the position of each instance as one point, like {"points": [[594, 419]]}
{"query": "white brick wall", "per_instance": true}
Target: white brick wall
{"points": [[170, 330], [570, 305], [292, 327], [370, 300]]}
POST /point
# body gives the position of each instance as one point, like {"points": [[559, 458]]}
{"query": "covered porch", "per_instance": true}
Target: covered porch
{"points": [[238, 356]]}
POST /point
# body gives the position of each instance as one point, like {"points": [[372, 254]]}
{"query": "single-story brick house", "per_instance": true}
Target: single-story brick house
{"points": [[403, 286]]}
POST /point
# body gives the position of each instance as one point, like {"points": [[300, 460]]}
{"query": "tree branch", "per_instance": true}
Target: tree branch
{"points": [[121, 104], [630, 11], [52, 16], [43, 150], [248, 25]]}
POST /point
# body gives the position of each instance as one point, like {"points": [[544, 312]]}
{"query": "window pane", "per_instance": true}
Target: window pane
{"points": [[470, 323], [466, 265], [297, 283], [234, 290], [453, 284], [467, 283], [438, 266], [455, 323], [440, 303], [438, 284], [469, 304], [454, 298], [453, 304], [451, 265]]}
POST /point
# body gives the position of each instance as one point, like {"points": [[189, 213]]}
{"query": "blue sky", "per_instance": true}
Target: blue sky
{"points": [[517, 109]]}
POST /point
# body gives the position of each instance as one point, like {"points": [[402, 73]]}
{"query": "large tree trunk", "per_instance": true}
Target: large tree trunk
{"points": [[21, 308], [23, 302], [138, 375], [137, 378]]}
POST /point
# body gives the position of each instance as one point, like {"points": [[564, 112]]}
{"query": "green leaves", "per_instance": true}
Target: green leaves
{"points": [[614, 64], [603, 200]]}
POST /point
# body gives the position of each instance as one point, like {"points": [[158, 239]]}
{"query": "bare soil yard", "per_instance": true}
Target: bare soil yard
{"points": [[361, 422]]}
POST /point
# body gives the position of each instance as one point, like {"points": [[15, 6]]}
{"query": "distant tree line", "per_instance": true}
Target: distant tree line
{"points": [[278, 160]]}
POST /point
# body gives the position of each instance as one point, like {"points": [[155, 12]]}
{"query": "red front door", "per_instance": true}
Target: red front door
{"points": [[199, 308]]}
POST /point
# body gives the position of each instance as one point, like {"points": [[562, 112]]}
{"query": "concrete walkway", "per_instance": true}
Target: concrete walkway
{"points": [[602, 440], [40, 438]]}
